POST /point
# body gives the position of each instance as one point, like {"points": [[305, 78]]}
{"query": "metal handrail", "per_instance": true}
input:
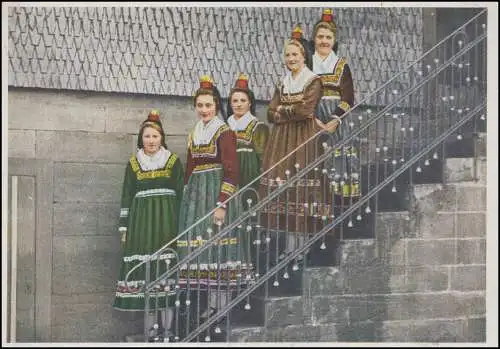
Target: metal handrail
{"points": [[221, 313], [309, 167], [339, 219], [253, 182], [433, 140]]}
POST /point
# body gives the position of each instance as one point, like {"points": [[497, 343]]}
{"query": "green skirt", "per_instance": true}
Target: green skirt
{"points": [[249, 170], [224, 265], [152, 224]]}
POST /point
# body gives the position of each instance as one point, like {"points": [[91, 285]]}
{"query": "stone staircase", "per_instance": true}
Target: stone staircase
{"points": [[423, 278]]}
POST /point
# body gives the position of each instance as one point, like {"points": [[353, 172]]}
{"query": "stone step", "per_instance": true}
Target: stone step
{"points": [[247, 334], [471, 329], [346, 309], [292, 333], [435, 330], [453, 197], [465, 170]]}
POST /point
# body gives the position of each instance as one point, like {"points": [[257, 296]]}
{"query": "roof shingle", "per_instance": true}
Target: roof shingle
{"points": [[164, 50]]}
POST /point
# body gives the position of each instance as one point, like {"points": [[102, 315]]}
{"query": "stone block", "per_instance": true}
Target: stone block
{"points": [[471, 251], [362, 331], [75, 219], [107, 219], [83, 146], [475, 330], [466, 170], [423, 278], [437, 331], [441, 305], [357, 252], [423, 331], [435, 197], [284, 311], [77, 182], [482, 171], [90, 318], [392, 228], [21, 143], [471, 198], [459, 170], [85, 219], [471, 225], [54, 110], [366, 279], [323, 281], [327, 333], [247, 334], [468, 278], [126, 113], [482, 144], [431, 252], [435, 225], [397, 254], [294, 333], [85, 264], [395, 331], [342, 309]]}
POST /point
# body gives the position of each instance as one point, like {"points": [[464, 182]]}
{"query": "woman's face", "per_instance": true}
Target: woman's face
{"points": [[323, 42], [151, 139], [205, 107], [240, 103], [294, 58]]}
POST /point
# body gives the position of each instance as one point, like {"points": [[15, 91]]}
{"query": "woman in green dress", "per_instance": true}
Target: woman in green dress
{"points": [[151, 196], [251, 135], [211, 177]]}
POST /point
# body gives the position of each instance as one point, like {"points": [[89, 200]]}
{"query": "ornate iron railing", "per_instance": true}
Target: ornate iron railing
{"points": [[444, 96]]}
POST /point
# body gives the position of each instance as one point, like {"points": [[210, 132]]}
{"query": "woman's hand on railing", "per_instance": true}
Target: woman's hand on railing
{"points": [[219, 215], [320, 123], [331, 126]]}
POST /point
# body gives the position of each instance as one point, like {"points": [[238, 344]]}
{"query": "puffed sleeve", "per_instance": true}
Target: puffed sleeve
{"points": [[189, 163], [178, 180], [305, 108], [230, 164], [273, 105], [346, 92], [128, 192], [260, 137]]}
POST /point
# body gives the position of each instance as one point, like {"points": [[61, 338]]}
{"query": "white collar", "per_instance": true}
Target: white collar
{"points": [[155, 161], [241, 123], [324, 66], [203, 133], [296, 85]]}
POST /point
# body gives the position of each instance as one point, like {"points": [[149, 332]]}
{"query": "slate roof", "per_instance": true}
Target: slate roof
{"points": [[164, 50]]}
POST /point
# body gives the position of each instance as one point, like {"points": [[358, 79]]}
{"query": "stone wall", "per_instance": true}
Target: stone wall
{"points": [[86, 139], [422, 279]]}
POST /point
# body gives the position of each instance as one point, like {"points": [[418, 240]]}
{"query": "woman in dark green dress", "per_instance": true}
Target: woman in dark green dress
{"points": [[251, 135], [151, 196], [211, 177]]}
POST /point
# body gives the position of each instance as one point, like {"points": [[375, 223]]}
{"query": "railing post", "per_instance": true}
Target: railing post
{"points": [[429, 40]]}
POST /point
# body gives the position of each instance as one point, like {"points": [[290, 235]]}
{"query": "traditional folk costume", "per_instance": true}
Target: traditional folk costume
{"points": [[251, 138], [337, 99], [299, 210], [211, 177], [151, 195]]}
